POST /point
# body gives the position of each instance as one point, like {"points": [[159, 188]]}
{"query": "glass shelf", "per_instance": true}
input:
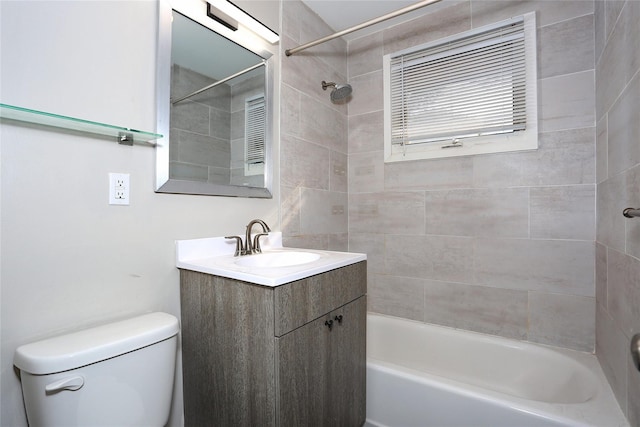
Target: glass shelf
{"points": [[123, 135]]}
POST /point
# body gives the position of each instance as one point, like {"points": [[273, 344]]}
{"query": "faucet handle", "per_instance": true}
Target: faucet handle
{"points": [[239, 248], [256, 242]]}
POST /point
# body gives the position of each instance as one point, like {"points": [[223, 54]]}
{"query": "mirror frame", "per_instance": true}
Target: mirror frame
{"points": [[163, 183]]}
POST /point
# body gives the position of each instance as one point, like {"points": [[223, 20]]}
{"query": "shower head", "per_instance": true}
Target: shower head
{"points": [[340, 91]]}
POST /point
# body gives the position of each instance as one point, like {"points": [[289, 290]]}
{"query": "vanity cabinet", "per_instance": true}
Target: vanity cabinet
{"points": [[290, 355]]}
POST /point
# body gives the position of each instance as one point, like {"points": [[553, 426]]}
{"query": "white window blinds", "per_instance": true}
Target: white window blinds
{"points": [[467, 87], [255, 114]]}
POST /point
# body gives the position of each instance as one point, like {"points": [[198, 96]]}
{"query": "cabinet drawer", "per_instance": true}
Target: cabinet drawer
{"points": [[302, 301]]}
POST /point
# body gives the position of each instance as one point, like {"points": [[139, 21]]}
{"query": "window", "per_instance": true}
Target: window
{"points": [[255, 128], [471, 93]]}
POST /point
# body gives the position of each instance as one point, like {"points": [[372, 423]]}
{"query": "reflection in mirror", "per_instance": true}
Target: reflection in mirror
{"points": [[218, 128]]}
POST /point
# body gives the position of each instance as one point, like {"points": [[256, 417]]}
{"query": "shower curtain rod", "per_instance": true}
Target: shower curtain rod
{"points": [[374, 21], [219, 82]]}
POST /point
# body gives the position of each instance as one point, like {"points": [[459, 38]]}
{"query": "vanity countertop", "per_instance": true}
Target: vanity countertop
{"points": [[215, 256]]}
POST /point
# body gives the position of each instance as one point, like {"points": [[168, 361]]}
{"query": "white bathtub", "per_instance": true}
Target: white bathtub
{"points": [[430, 376]]}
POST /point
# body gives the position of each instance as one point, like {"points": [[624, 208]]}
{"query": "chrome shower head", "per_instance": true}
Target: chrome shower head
{"points": [[340, 91]]}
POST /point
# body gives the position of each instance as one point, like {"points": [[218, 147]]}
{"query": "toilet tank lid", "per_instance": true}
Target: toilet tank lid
{"points": [[81, 348]]}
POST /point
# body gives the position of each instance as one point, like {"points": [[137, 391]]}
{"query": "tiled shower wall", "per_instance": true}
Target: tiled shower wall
{"points": [[200, 150], [240, 93], [313, 136], [501, 243], [617, 49], [207, 130]]}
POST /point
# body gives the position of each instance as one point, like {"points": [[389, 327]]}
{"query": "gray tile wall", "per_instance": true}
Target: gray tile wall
{"points": [[200, 129], [617, 41], [500, 243], [313, 135], [240, 92]]}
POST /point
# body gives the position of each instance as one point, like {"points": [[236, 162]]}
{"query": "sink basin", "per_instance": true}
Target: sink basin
{"points": [[277, 259]]}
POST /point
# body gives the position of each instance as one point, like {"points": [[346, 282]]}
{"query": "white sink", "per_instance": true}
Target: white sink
{"points": [[275, 266], [277, 259]]}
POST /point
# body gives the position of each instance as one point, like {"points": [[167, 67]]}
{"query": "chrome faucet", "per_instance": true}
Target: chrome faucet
{"points": [[255, 247], [247, 247]]}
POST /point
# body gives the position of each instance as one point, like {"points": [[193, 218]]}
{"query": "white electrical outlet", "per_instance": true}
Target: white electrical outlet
{"points": [[118, 188]]}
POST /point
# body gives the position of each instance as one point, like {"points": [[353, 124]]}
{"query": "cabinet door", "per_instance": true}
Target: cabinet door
{"points": [[347, 379], [228, 352], [302, 376], [322, 371]]}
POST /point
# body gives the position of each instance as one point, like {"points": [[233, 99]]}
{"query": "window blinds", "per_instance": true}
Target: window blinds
{"points": [[255, 130], [468, 87]]}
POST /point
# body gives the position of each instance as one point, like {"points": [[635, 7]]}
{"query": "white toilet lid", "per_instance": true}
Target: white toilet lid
{"points": [[81, 348]]}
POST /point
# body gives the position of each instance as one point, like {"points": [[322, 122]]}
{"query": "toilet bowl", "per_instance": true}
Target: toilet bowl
{"points": [[118, 374]]}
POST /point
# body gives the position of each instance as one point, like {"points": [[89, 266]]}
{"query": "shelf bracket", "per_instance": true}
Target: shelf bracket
{"points": [[125, 138]]}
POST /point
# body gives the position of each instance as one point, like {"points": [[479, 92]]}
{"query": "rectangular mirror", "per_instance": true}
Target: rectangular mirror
{"points": [[214, 108]]}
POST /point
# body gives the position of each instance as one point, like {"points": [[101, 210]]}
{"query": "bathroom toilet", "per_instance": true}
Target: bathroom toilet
{"points": [[118, 374]]}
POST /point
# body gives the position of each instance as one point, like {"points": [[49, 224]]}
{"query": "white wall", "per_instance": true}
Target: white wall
{"points": [[68, 259]]}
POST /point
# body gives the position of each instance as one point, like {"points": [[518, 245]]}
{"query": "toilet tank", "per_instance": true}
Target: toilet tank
{"points": [[118, 374]]}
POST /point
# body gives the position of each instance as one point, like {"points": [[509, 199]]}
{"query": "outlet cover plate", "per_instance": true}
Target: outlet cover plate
{"points": [[119, 189]]}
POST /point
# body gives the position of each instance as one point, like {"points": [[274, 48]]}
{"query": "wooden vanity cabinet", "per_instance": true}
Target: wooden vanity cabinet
{"points": [[291, 355]]}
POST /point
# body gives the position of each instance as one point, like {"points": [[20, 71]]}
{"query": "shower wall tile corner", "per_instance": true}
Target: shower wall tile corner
{"points": [[290, 204], [633, 408], [601, 274], [611, 350], [366, 132], [365, 54], [501, 243], [338, 180], [618, 238], [308, 164], [368, 97], [313, 136], [602, 170], [619, 60], [366, 172]]}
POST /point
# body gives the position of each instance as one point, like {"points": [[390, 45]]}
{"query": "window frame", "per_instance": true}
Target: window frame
{"points": [[467, 146]]}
